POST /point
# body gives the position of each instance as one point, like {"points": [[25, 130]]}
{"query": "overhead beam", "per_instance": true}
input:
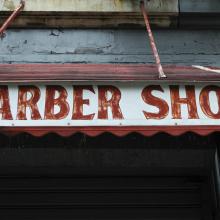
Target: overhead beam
{"points": [[90, 13]]}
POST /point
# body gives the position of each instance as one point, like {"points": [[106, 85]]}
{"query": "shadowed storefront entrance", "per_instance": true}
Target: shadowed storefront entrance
{"points": [[108, 177]]}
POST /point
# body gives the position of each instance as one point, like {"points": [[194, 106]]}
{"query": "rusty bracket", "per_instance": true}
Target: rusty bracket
{"points": [[12, 17], [152, 41]]}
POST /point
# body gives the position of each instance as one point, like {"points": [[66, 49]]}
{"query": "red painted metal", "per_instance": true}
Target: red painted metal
{"points": [[102, 72], [118, 131], [152, 41], [12, 17]]}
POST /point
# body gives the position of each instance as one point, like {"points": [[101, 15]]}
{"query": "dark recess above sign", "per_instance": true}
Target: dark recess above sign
{"points": [[199, 14]]}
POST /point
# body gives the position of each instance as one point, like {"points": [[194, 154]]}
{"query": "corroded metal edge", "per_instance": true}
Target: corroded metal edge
{"points": [[105, 72], [117, 131]]}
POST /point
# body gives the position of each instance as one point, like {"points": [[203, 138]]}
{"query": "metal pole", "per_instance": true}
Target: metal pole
{"points": [[152, 41], [12, 17]]}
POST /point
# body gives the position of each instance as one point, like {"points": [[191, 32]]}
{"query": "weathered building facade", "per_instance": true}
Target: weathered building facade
{"points": [[160, 165]]}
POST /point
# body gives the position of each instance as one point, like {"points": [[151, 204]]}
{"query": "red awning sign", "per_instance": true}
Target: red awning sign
{"points": [[120, 99]]}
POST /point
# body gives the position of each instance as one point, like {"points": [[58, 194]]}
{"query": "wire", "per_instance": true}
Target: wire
{"points": [[152, 41]]}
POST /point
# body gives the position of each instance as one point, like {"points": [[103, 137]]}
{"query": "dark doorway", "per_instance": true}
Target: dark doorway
{"points": [[108, 177]]}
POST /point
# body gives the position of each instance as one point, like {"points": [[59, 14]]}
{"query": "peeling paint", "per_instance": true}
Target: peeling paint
{"points": [[88, 50], [182, 47]]}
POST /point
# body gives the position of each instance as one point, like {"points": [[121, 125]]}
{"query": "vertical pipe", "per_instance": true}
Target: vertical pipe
{"points": [[152, 41]]}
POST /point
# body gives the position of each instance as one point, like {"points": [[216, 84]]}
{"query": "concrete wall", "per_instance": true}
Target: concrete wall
{"points": [[182, 47]]}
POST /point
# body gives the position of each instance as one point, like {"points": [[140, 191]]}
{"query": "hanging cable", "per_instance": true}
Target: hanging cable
{"points": [[12, 17], [152, 41]]}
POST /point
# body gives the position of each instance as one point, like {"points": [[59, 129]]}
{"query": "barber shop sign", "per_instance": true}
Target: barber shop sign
{"points": [[112, 104]]}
